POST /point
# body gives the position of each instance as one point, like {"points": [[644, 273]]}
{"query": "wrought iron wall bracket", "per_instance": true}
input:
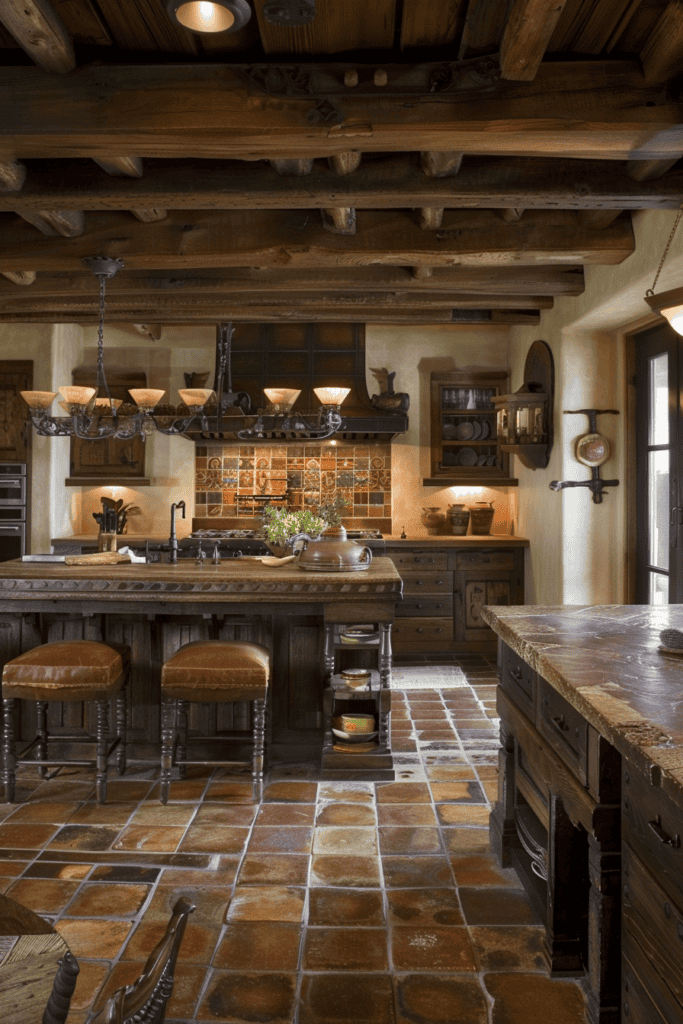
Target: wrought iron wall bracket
{"points": [[592, 449]]}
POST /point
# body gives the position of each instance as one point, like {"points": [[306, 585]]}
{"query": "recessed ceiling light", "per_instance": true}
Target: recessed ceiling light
{"points": [[210, 15]]}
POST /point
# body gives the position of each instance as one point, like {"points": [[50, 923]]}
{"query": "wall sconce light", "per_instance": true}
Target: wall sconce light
{"points": [[667, 304], [524, 421], [210, 15]]}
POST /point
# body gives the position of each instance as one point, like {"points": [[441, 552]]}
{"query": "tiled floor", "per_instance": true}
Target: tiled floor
{"points": [[327, 903]]}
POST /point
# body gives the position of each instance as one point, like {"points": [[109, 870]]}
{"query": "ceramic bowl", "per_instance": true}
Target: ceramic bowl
{"points": [[353, 737], [356, 678], [358, 723]]}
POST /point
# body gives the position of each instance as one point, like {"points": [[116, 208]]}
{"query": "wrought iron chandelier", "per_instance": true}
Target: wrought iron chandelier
{"points": [[667, 304], [93, 415]]}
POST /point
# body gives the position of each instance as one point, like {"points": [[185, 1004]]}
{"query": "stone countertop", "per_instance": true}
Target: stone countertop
{"points": [[468, 541], [245, 578], [605, 661]]}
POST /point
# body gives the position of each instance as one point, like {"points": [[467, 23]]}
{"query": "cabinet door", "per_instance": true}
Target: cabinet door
{"points": [[473, 591], [109, 458], [463, 422], [15, 376]]}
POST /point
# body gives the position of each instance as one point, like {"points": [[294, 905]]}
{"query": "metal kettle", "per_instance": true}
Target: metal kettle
{"points": [[333, 552]]}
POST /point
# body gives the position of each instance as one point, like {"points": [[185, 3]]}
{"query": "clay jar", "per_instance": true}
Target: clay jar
{"points": [[459, 516], [481, 514], [433, 518]]}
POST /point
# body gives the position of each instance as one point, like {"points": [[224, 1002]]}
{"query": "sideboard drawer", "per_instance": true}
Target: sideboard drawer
{"points": [[427, 582], [652, 825], [484, 558], [415, 559], [422, 629], [425, 605], [565, 729], [518, 680]]}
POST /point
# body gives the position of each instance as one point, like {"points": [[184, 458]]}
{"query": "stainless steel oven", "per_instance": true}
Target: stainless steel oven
{"points": [[12, 510]]}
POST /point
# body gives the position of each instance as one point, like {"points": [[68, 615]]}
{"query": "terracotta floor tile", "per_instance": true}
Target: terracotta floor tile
{"points": [[509, 948], [182, 790], [534, 999], [450, 773], [345, 949], [346, 792], [187, 987], [62, 791], [85, 837], [280, 839], [463, 814], [440, 999], [48, 896], [361, 842], [291, 792], [345, 907], [457, 792], [346, 999], [266, 903], [496, 906], [26, 837], [199, 941], [428, 710], [150, 838], [411, 872], [12, 868], [210, 902], [259, 945], [126, 790], [403, 793], [345, 814], [280, 869], [265, 998], [158, 814], [125, 873], [419, 839], [462, 841], [56, 869], [98, 899], [431, 948], [487, 772], [406, 814], [285, 814], [90, 979], [54, 812], [221, 873], [482, 869], [345, 871], [84, 936], [102, 814], [403, 746], [214, 839], [424, 907], [123, 973], [228, 792]]}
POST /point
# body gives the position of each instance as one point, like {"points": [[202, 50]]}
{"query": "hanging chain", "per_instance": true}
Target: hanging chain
{"points": [[101, 380], [651, 291]]}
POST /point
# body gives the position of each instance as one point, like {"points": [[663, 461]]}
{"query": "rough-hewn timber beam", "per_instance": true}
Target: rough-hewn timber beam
{"points": [[12, 175], [340, 220], [397, 182], [68, 223], [594, 109], [22, 277], [440, 165], [527, 33], [431, 217], [132, 167], [345, 163], [40, 31], [662, 55], [285, 238], [649, 170]]}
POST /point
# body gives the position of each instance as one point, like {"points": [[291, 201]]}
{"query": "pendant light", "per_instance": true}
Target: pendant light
{"points": [[668, 304], [210, 16]]}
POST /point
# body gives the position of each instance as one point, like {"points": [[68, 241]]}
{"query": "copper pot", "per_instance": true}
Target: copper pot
{"points": [[332, 552]]}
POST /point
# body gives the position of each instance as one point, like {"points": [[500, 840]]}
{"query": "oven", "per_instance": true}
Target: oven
{"points": [[12, 510]]}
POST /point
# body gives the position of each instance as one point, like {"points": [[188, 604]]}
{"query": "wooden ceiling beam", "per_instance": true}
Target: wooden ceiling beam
{"points": [[207, 239], [527, 33], [345, 163], [395, 182], [21, 277], [662, 56], [67, 223], [648, 170], [12, 175], [594, 109], [520, 284], [441, 165], [40, 31], [132, 167], [340, 220]]}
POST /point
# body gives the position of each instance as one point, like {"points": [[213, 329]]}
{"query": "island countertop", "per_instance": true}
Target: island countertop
{"points": [[605, 660]]}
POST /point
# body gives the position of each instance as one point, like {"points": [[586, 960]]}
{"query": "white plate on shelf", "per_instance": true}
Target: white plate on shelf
{"points": [[485, 429], [354, 737], [477, 430]]}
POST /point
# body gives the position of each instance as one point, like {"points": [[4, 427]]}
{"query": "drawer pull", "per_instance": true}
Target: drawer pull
{"points": [[419, 606], [673, 841], [560, 723], [516, 674], [419, 629]]}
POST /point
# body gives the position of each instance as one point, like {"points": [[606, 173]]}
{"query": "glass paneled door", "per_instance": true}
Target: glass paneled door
{"points": [[659, 466]]}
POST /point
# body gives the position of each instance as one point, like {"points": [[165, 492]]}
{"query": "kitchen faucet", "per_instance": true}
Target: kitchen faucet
{"points": [[173, 540]]}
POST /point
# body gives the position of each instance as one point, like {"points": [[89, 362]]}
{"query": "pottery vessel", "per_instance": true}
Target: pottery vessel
{"points": [[481, 514], [433, 518], [459, 517], [333, 552]]}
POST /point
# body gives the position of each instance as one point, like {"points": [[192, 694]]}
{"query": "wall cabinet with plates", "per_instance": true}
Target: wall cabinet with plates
{"points": [[464, 445]]}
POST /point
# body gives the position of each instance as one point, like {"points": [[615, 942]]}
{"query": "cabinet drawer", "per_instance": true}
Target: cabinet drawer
{"points": [[422, 629], [427, 582], [653, 922], [415, 559], [636, 1005], [490, 559], [518, 680], [565, 729], [427, 605], [652, 824]]}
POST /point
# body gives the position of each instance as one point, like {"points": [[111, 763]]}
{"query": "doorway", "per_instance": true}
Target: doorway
{"points": [[659, 466]]}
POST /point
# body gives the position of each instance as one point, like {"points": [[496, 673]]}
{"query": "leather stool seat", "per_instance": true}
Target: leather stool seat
{"points": [[212, 671], [66, 670]]}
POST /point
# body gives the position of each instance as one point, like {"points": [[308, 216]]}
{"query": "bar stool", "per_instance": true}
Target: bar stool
{"points": [[212, 671], [66, 671]]}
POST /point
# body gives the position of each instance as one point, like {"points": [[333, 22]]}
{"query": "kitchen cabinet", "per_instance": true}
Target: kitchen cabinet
{"points": [[108, 461], [15, 429], [445, 588], [464, 444]]}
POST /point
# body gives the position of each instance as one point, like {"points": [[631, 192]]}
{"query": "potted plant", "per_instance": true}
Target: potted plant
{"points": [[282, 526]]}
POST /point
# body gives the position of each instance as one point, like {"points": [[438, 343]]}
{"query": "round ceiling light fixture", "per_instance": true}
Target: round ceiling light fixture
{"points": [[210, 15]]}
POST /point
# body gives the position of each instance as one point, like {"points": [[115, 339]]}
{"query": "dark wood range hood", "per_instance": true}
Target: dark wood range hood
{"points": [[303, 356]]}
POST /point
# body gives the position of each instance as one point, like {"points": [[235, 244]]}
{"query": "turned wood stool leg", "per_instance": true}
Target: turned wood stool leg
{"points": [[259, 713], [168, 710], [41, 750], [9, 765], [102, 707], [328, 651], [121, 727], [57, 1009], [183, 708], [384, 654]]}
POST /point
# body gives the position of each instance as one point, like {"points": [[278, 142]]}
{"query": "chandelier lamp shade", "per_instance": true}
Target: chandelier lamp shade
{"points": [[93, 415], [210, 16], [667, 304]]}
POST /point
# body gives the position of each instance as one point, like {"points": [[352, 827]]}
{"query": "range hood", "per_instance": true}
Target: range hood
{"points": [[303, 356]]}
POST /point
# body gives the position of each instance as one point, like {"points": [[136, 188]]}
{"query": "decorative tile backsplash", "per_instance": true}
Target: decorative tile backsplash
{"points": [[227, 479]]}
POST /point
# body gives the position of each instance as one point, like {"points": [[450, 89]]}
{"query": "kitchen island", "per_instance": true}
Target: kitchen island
{"points": [[590, 807], [157, 608]]}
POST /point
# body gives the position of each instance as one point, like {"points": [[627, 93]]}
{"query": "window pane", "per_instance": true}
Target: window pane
{"points": [[658, 507], [659, 399], [659, 589]]}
